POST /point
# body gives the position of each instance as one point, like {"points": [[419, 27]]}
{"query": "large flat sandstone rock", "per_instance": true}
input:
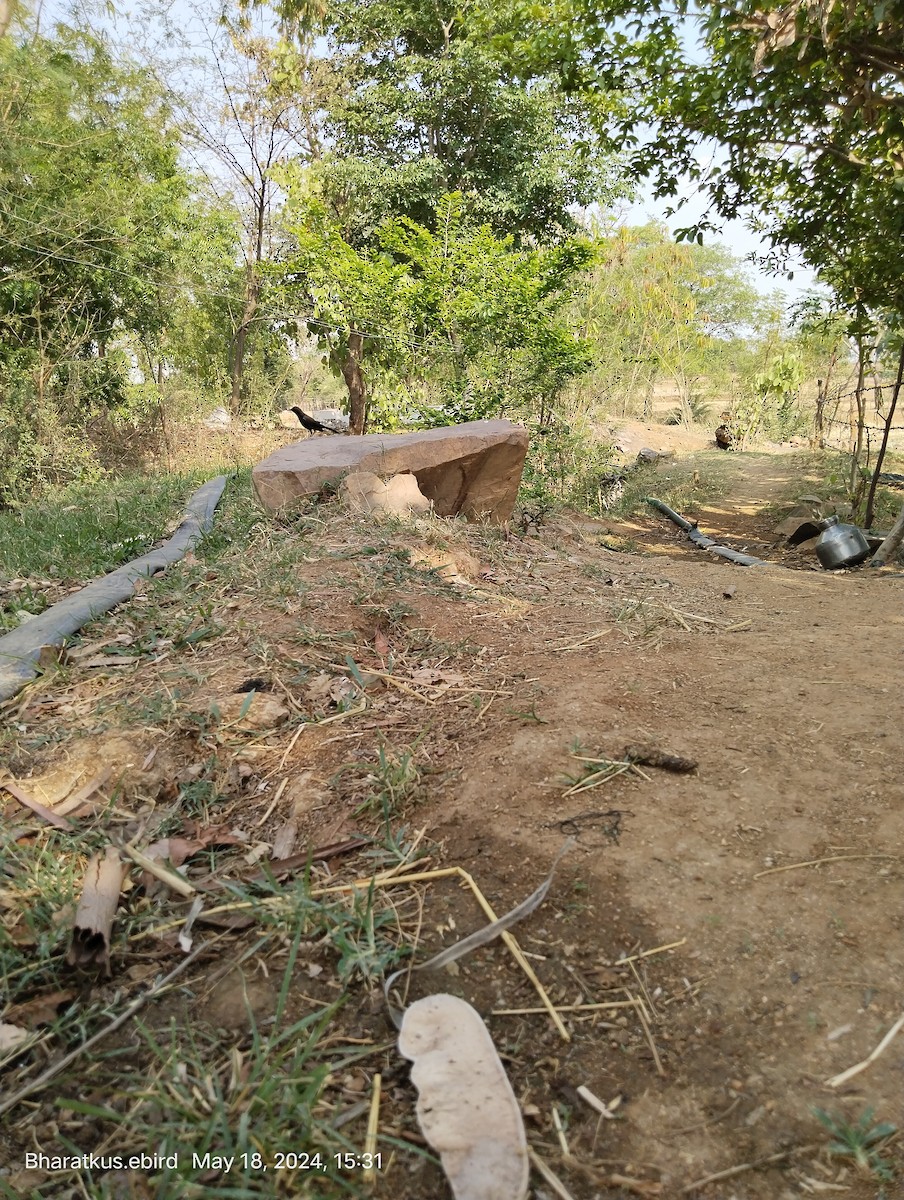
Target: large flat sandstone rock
{"points": [[472, 469]]}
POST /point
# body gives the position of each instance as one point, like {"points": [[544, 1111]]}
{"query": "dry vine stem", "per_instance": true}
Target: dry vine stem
{"points": [[838, 1080], [818, 862]]}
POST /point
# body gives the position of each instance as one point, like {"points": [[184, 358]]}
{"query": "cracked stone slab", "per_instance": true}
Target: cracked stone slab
{"points": [[473, 469]]}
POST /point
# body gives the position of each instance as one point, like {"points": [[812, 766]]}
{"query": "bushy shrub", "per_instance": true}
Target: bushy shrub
{"points": [[42, 443], [566, 467]]}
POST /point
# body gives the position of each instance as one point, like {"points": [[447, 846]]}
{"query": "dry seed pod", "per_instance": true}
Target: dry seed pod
{"points": [[466, 1107]]}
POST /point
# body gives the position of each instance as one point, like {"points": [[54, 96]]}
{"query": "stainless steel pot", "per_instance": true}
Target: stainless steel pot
{"points": [[840, 545]]}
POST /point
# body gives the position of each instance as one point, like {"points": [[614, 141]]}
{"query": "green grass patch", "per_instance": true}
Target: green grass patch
{"points": [[682, 483], [84, 530], [264, 1093]]}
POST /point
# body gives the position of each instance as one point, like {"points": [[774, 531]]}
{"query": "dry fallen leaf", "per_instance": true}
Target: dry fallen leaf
{"points": [[108, 660], [174, 850], [77, 801], [91, 649], [284, 840], [40, 1010], [433, 677], [36, 807], [251, 711], [256, 853], [11, 1036], [334, 688], [466, 1107]]}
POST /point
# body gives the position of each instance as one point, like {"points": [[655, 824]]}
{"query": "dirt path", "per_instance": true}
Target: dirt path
{"points": [[783, 979], [736, 497], [786, 703], [758, 483], [562, 650]]}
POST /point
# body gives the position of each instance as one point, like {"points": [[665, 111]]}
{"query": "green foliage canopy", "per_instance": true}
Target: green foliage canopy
{"points": [[454, 304], [92, 197], [791, 114], [419, 104]]}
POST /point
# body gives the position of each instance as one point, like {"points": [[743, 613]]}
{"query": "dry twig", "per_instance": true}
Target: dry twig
{"points": [[549, 1175], [638, 1004], [592, 637], [525, 1012], [172, 879], [730, 1172], [373, 1124], [620, 962], [838, 1080], [674, 1133], [818, 862]]}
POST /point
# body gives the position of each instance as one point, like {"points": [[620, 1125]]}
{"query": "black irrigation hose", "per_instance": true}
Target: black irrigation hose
{"points": [[21, 649], [704, 542]]}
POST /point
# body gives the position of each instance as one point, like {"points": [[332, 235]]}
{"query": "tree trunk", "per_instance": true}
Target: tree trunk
{"points": [[241, 336], [880, 458], [648, 398], [353, 375], [252, 290], [858, 428], [891, 544], [818, 441], [237, 366]]}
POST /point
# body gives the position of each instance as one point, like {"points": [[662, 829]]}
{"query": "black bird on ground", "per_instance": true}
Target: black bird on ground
{"points": [[309, 423]]}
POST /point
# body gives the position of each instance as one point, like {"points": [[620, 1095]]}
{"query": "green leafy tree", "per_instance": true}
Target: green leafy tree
{"points": [[93, 199], [491, 310], [416, 104], [94, 211], [472, 320], [788, 114], [347, 292]]}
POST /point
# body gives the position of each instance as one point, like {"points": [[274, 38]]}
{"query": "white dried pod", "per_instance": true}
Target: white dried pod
{"points": [[466, 1107]]}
